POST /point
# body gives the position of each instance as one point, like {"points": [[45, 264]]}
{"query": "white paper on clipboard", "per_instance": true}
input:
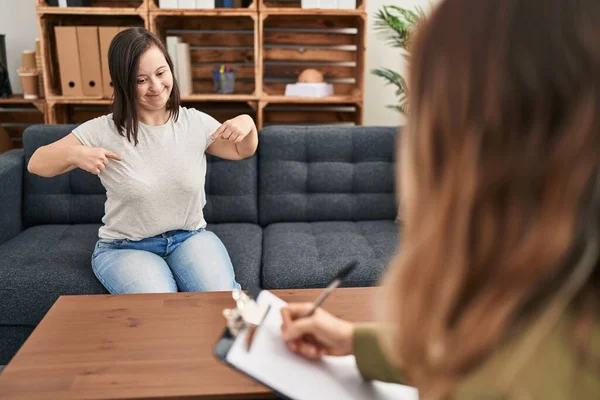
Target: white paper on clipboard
{"points": [[269, 361]]}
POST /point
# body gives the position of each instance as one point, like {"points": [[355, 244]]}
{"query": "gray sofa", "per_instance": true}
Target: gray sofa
{"points": [[311, 199]]}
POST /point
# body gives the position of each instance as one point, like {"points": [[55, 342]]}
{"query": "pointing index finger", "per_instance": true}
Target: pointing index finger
{"points": [[114, 156], [218, 132]]}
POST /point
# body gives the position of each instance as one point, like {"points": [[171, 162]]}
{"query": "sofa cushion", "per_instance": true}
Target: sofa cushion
{"points": [[244, 245], [42, 263], [47, 261], [299, 255], [326, 173], [78, 197], [231, 190]]}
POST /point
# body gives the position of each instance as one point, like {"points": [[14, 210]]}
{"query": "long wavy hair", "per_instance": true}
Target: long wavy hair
{"points": [[124, 55], [497, 169]]}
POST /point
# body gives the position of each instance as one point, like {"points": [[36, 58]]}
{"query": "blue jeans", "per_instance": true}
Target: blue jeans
{"points": [[186, 261]]}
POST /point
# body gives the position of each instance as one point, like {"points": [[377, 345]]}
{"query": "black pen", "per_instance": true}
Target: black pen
{"points": [[344, 272]]}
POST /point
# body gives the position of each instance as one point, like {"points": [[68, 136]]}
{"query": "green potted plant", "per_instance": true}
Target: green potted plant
{"points": [[394, 24]]}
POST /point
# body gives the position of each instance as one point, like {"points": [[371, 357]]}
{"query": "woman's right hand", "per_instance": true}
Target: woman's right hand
{"points": [[92, 159], [318, 335]]}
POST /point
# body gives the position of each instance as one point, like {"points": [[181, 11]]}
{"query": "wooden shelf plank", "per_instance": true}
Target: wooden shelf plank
{"points": [[219, 97], [311, 100], [192, 97], [78, 100], [18, 99], [182, 12], [311, 11], [49, 10]]}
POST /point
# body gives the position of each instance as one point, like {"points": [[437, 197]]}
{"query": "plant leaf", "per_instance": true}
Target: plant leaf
{"points": [[394, 25]]}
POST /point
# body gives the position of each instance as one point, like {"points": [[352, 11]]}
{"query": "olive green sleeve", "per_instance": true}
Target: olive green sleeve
{"points": [[370, 359]]}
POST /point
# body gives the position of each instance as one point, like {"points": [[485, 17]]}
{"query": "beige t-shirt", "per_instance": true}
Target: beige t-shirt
{"points": [[159, 185]]}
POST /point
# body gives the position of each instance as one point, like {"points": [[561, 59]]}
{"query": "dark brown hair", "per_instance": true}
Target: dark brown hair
{"points": [[502, 147], [123, 61]]}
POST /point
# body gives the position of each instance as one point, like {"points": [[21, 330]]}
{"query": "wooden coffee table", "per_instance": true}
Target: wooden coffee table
{"points": [[143, 346]]}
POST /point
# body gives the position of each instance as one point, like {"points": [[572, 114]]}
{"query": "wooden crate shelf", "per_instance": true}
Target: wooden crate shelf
{"points": [[98, 7], [311, 100], [75, 113], [16, 114], [334, 45], [310, 114], [269, 43], [216, 40], [222, 111], [48, 22]]}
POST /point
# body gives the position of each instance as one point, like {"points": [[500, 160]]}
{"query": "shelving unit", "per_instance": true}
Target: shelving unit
{"points": [[269, 43], [16, 114]]}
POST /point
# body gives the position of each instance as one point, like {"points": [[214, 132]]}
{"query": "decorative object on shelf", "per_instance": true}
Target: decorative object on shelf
{"points": [[310, 84], [207, 4], [5, 88], [29, 74], [310, 4], [70, 3], [29, 83], [186, 4], [168, 4], [28, 59], [394, 25], [184, 68], [224, 79], [67, 54], [329, 4], [310, 75], [347, 4], [172, 42]]}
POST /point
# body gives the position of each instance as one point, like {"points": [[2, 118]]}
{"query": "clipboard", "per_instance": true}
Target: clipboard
{"points": [[288, 375], [229, 336], [222, 349]]}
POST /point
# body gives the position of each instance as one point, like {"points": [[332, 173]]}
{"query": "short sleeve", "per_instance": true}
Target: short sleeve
{"points": [[91, 133], [209, 125]]}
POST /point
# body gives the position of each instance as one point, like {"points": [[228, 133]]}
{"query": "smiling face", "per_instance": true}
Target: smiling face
{"points": [[154, 80]]}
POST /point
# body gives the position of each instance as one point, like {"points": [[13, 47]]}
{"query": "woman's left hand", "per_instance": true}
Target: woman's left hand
{"points": [[235, 130]]}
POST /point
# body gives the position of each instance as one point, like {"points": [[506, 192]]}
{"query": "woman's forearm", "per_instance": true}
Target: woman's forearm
{"points": [[247, 147], [49, 161]]}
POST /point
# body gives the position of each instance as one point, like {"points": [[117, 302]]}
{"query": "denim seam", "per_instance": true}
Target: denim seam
{"points": [[106, 285], [178, 277]]}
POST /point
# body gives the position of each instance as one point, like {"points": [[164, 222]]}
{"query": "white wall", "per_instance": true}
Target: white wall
{"points": [[19, 24], [377, 94]]}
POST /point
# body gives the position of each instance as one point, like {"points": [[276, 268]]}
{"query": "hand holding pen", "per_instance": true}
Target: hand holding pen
{"points": [[312, 332]]}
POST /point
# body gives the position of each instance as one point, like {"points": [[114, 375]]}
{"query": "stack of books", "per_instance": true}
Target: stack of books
{"points": [[330, 4], [182, 63], [205, 4]]}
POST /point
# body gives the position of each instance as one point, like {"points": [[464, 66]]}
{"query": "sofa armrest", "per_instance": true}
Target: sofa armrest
{"points": [[12, 165]]}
